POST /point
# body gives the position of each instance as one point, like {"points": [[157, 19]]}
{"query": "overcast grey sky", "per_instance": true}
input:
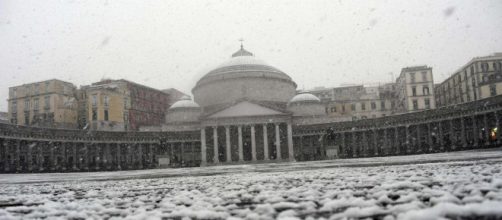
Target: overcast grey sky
{"points": [[166, 44]]}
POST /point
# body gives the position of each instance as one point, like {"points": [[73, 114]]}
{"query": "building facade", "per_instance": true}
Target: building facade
{"points": [[415, 89], [121, 105], [480, 78], [357, 102], [48, 103]]}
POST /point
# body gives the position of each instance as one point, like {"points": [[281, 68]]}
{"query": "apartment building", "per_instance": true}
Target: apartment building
{"points": [[415, 89], [480, 78], [49, 103]]}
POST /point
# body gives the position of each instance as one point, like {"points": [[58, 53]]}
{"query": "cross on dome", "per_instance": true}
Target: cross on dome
{"points": [[242, 51]]}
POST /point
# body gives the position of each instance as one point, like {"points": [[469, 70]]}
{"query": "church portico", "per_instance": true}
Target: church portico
{"points": [[251, 143]]}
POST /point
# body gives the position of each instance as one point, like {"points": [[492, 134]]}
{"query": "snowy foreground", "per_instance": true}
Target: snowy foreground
{"points": [[467, 187]]}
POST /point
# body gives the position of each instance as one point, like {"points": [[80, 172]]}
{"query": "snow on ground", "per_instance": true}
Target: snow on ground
{"points": [[460, 189]]}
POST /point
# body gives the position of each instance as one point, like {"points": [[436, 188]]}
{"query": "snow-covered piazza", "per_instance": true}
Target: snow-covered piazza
{"points": [[457, 185]]}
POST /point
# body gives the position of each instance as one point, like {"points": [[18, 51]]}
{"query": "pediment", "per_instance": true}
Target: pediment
{"points": [[245, 109]]}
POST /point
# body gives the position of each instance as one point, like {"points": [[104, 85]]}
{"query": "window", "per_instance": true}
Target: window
{"points": [[382, 105], [412, 77], [415, 104], [14, 118], [94, 100], [426, 90], [427, 103], [353, 107], [26, 104], [106, 114], [36, 87], [363, 106], [94, 115], [125, 102], [47, 102], [14, 106], [35, 104], [484, 67], [27, 118], [333, 109], [373, 105], [414, 91], [47, 84], [493, 90], [106, 100], [472, 70], [424, 76], [14, 92]]}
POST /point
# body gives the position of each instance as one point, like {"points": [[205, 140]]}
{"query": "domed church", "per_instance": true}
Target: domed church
{"points": [[245, 110]]}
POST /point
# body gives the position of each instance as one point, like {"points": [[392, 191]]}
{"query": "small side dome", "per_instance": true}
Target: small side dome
{"points": [[184, 102], [306, 105], [304, 97]]}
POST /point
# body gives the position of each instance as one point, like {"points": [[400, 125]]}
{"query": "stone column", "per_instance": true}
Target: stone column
{"points": [[241, 153], [5, 144], [365, 144], [291, 152], [97, 155], [52, 159], [441, 136], [182, 153], [354, 144], [29, 159], [487, 130], [385, 143], [18, 155], [463, 135], [151, 156], [86, 156], [227, 139], [343, 144], [74, 149], [140, 155], [216, 158], [497, 121], [119, 157], [106, 156], [65, 157], [40, 156], [265, 143], [277, 142], [429, 136], [396, 138], [408, 139], [375, 142], [475, 131], [253, 144], [203, 147], [451, 136], [419, 138], [130, 158]]}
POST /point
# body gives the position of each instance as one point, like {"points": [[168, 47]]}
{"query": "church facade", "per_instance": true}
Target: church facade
{"points": [[245, 110]]}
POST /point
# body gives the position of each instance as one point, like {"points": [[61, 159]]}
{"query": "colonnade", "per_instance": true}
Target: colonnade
{"points": [[22, 155], [462, 132], [251, 142]]}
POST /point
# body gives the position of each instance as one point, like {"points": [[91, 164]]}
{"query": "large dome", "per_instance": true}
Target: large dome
{"points": [[243, 76]]}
